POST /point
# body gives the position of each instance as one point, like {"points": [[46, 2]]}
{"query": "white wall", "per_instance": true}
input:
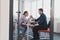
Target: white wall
{"points": [[57, 16], [4, 20], [0, 15]]}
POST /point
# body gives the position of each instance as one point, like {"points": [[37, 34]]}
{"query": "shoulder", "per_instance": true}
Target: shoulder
{"points": [[43, 15], [22, 16]]}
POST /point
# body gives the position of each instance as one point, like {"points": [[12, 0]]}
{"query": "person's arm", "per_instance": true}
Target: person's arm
{"points": [[21, 20], [37, 19]]}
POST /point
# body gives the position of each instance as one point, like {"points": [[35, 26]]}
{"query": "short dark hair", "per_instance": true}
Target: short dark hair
{"points": [[25, 12], [41, 9]]}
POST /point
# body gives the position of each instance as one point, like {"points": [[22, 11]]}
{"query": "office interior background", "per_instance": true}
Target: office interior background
{"points": [[32, 6]]}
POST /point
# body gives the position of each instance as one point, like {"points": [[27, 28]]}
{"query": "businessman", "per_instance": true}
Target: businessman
{"points": [[42, 24]]}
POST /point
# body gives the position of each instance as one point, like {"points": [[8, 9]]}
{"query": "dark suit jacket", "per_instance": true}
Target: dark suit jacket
{"points": [[42, 21]]}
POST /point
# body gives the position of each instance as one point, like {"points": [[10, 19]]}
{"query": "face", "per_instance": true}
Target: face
{"points": [[26, 14], [40, 12]]}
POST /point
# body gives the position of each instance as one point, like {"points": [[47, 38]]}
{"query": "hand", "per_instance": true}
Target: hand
{"points": [[31, 16], [23, 23], [48, 28], [36, 22], [32, 26]]}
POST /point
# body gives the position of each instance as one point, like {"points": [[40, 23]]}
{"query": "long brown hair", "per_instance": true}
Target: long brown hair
{"points": [[25, 12]]}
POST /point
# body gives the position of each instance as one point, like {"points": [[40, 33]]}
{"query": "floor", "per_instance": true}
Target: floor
{"points": [[44, 36], [56, 36]]}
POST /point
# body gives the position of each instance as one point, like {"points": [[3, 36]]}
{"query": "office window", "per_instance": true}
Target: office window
{"points": [[15, 7], [34, 9], [46, 7], [33, 6], [27, 7]]}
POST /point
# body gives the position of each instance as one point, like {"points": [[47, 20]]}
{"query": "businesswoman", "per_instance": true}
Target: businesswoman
{"points": [[23, 22]]}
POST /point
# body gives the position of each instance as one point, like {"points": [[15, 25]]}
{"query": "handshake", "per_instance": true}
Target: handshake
{"points": [[31, 24]]}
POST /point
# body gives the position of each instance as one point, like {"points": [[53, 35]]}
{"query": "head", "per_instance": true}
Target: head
{"points": [[40, 11], [25, 13]]}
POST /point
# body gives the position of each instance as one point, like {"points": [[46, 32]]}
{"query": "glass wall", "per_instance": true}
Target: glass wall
{"points": [[32, 8], [15, 18]]}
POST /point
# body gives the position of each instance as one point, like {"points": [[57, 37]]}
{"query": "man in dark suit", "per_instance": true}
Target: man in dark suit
{"points": [[42, 24]]}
